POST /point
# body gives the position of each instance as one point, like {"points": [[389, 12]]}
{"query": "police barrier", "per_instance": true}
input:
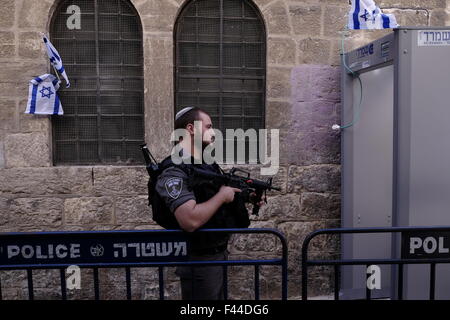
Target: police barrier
{"points": [[419, 245], [119, 249]]}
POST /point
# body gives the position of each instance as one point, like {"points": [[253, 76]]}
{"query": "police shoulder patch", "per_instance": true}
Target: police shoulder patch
{"points": [[174, 187]]}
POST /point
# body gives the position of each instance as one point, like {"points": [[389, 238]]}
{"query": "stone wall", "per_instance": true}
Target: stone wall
{"points": [[302, 100]]}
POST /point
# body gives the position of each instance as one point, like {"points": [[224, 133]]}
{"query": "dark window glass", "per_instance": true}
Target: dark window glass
{"points": [[220, 63], [103, 121]]}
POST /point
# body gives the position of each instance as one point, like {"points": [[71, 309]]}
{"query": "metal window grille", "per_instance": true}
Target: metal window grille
{"points": [[220, 62], [103, 121]]}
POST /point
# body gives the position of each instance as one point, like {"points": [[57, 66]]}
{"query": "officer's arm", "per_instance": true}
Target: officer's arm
{"points": [[191, 216]]}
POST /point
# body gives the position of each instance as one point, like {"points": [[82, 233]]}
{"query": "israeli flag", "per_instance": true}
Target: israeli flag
{"points": [[55, 59], [42, 96], [366, 15]]}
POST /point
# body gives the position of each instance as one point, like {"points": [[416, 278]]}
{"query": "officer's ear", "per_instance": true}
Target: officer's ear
{"points": [[190, 128]]}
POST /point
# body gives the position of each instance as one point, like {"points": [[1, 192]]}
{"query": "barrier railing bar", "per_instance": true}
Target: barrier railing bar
{"points": [[336, 282], [161, 283], [432, 280], [368, 291], [256, 282], [375, 261], [160, 265], [225, 282], [367, 262], [128, 282], [304, 279], [400, 282], [62, 276], [30, 284], [96, 287], [147, 264]]}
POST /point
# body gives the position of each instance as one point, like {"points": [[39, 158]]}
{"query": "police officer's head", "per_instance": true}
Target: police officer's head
{"points": [[185, 120]]}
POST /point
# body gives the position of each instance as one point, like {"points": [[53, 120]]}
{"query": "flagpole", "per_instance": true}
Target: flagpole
{"points": [[56, 72]]}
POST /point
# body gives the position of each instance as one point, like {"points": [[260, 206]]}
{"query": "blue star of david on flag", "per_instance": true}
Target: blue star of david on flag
{"points": [[43, 97], [365, 14], [48, 89]]}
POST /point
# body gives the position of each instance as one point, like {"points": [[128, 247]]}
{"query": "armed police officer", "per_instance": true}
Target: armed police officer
{"points": [[193, 205]]}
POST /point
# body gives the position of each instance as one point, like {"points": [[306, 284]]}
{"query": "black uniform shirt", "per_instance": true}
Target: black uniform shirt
{"points": [[172, 186]]}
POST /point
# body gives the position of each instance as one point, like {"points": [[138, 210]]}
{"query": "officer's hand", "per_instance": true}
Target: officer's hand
{"points": [[227, 193]]}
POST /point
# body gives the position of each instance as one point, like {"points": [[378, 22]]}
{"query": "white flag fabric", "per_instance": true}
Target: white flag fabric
{"points": [[366, 15], [55, 59], [42, 96]]}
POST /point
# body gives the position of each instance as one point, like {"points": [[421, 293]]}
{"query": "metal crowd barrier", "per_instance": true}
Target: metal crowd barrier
{"points": [[119, 249], [407, 256]]}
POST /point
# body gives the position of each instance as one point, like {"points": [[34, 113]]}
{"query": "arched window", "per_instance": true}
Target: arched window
{"points": [[103, 121], [220, 62]]}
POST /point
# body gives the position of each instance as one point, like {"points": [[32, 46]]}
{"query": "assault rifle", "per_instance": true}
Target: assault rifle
{"points": [[247, 184], [252, 189]]}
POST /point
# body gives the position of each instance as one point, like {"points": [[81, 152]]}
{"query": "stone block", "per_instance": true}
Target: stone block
{"points": [[251, 243], [315, 82], [438, 18], [241, 288], [319, 115], [12, 88], [7, 115], [7, 13], [278, 115], [429, 4], [278, 82], [27, 150], [13, 278], [7, 44], [315, 178], [159, 82], [172, 291], [309, 148], [306, 20], [35, 212], [88, 210], [316, 206], [281, 51], [276, 17], [158, 131], [281, 208], [2, 154], [46, 181], [133, 209], [31, 46], [336, 50], [158, 48], [296, 233], [4, 212], [410, 17], [23, 71], [34, 14], [110, 180], [314, 51], [32, 122], [335, 19], [157, 15]]}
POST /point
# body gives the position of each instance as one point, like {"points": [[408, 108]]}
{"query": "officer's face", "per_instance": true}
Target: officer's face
{"points": [[207, 129]]}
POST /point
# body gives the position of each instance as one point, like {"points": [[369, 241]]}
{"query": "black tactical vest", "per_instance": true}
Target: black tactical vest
{"points": [[231, 215]]}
